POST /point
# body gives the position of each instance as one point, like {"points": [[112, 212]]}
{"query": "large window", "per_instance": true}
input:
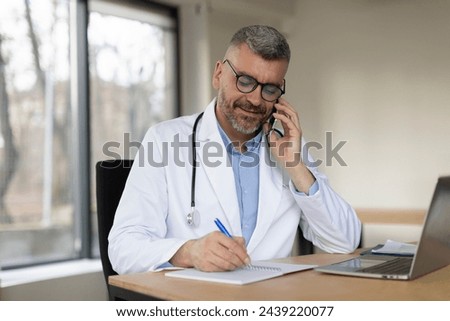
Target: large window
{"points": [[132, 84]]}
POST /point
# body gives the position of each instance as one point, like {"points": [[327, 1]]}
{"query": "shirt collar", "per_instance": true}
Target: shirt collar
{"points": [[252, 144]]}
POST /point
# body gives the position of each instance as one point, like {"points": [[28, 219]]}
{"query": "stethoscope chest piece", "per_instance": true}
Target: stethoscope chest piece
{"points": [[193, 218]]}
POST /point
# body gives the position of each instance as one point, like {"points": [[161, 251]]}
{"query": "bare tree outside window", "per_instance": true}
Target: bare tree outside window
{"points": [[132, 72], [8, 148], [35, 193]]}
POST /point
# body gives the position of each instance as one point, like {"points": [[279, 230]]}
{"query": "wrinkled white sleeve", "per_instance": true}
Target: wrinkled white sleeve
{"points": [[327, 220], [137, 240]]}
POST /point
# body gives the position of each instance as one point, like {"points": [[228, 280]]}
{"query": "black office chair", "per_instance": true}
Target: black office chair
{"points": [[305, 247], [111, 176]]}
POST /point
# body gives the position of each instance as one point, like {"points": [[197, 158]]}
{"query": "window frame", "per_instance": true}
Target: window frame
{"points": [[81, 104]]}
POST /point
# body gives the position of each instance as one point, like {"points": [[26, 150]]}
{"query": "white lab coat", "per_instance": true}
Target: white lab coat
{"points": [[150, 223]]}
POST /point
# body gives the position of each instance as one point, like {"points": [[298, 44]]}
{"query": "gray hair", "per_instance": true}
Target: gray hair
{"points": [[265, 41]]}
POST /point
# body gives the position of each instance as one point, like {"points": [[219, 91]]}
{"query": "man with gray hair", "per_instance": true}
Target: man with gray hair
{"points": [[233, 170]]}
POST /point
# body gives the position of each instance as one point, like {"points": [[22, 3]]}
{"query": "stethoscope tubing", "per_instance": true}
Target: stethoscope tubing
{"points": [[190, 218]]}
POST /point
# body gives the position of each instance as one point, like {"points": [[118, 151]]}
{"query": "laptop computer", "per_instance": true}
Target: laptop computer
{"points": [[433, 249]]}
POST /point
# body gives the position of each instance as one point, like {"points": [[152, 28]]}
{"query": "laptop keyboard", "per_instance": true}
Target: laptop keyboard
{"points": [[401, 265]]}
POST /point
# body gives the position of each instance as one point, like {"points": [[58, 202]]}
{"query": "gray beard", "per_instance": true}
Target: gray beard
{"points": [[234, 122], [239, 128]]}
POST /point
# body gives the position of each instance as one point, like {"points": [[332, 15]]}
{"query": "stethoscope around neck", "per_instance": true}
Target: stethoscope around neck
{"points": [[193, 217]]}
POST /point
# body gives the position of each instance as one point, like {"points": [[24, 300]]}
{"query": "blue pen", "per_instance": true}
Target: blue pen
{"points": [[225, 231], [222, 228]]}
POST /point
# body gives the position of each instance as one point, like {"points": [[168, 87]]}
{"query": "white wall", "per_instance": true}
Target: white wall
{"points": [[377, 74], [194, 51]]}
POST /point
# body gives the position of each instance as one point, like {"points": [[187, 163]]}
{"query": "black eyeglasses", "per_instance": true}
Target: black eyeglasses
{"points": [[246, 84]]}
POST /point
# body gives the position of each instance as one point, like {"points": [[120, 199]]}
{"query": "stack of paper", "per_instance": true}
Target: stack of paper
{"points": [[396, 248]]}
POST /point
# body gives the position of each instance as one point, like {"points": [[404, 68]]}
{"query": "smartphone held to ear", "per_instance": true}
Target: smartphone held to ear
{"points": [[272, 119], [273, 123]]}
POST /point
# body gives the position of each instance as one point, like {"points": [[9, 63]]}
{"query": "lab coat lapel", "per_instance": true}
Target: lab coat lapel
{"points": [[220, 176], [270, 192]]}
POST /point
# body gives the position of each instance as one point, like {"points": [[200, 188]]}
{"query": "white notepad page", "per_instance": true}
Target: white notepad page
{"points": [[258, 271]]}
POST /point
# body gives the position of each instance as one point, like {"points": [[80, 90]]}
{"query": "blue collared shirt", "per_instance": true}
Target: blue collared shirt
{"points": [[246, 177]]}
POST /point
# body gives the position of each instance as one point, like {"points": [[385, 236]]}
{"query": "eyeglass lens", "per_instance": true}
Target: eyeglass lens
{"points": [[247, 84]]}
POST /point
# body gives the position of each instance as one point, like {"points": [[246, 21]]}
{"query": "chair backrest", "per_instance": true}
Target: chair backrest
{"points": [[305, 247], [111, 176]]}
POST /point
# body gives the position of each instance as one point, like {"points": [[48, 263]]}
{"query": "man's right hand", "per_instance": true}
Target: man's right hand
{"points": [[213, 252]]}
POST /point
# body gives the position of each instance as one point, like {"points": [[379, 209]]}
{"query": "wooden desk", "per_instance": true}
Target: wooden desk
{"points": [[307, 285]]}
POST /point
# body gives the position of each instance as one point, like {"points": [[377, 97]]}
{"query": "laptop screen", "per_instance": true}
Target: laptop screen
{"points": [[433, 251]]}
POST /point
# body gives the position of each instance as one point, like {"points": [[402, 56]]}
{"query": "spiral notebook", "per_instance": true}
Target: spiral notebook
{"points": [[257, 271]]}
